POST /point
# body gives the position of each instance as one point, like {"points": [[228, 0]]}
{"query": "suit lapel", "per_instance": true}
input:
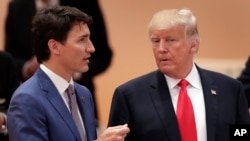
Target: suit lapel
{"points": [[56, 101], [163, 104], [87, 112], [211, 103]]}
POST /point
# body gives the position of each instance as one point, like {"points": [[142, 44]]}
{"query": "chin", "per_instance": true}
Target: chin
{"points": [[84, 69], [165, 70]]}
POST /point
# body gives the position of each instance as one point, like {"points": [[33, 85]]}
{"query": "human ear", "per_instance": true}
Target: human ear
{"points": [[194, 46], [53, 46]]}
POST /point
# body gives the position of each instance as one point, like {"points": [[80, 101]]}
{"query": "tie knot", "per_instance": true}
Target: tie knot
{"points": [[70, 89], [183, 83]]}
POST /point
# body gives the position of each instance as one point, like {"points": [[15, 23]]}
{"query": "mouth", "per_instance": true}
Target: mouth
{"points": [[164, 60], [86, 59]]}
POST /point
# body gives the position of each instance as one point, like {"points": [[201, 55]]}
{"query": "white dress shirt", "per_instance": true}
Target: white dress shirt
{"points": [[195, 92]]}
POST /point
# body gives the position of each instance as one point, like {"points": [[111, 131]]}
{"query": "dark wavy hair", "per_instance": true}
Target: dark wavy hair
{"points": [[54, 23]]}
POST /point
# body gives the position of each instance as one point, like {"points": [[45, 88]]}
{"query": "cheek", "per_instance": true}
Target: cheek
{"points": [[155, 52], [73, 56], [78, 56], [79, 51]]}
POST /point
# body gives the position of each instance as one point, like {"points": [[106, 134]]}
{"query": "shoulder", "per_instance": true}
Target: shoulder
{"points": [[29, 88], [83, 90], [139, 81], [80, 87], [217, 77]]}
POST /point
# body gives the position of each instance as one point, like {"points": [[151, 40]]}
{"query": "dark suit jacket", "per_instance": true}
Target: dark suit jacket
{"points": [[245, 79], [18, 31], [145, 104], [38, 113], [19, 44], [9, 81]]}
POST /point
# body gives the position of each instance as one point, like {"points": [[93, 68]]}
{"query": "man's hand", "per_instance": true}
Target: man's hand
{"points": [[116, 133]]}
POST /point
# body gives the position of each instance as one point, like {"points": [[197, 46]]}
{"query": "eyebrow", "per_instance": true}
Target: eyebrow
{"points": [[85, 35]]}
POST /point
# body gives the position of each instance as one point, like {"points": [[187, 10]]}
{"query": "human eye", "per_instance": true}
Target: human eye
{"points": [[155, 41], [170, 40], [81, 40]]}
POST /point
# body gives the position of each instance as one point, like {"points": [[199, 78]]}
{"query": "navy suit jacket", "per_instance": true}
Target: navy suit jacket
{"points": [[145, 104], [245, 79], [38, 113]]}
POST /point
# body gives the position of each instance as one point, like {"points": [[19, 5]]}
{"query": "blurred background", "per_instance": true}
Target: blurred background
{"points": [[223, 28]]}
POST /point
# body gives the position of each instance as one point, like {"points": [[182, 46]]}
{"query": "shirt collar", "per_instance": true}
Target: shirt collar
{"points": [[60, 83], [193, 79]]}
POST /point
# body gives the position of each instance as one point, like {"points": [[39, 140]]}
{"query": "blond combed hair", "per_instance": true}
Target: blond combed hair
{"points": [[168, 18]]}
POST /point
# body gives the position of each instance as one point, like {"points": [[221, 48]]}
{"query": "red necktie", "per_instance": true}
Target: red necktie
{"points": [[185, 114]]}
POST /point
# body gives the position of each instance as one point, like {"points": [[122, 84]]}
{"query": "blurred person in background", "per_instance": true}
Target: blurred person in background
{"points": [[244, 77], [9, 81]]}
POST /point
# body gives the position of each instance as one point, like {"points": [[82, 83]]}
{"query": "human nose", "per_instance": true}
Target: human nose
{"points": [[90, 47], [162, 46]]}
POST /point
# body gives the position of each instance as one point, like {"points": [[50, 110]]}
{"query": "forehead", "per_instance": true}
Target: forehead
{"points": [[178, 30], [79, 28]]}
